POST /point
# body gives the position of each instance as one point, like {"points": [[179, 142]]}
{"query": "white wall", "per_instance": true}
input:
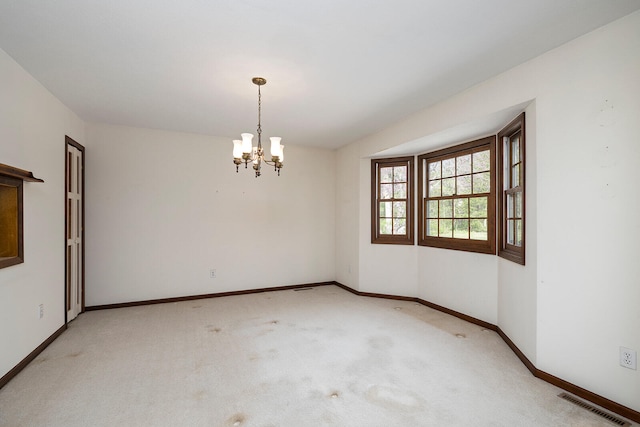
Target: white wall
{"points": [[164, 207], [588, 153], [33, 125], [517, 284], [347, 232], [576, 301]]}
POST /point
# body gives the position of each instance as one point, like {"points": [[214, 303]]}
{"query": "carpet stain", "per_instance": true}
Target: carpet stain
{"points": [[236, 420], [213, 329], [394, 398], [273, 322], [76, 354], [196, 306], [439, 320], [380, 342], [199, 395]]}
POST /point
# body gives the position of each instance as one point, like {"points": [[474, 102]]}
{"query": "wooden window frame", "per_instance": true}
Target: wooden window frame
{"points": [[470, 245], [376, 237], [505, 250]]}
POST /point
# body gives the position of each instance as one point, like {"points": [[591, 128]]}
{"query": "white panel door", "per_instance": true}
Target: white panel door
{"points": [[75, 225]]}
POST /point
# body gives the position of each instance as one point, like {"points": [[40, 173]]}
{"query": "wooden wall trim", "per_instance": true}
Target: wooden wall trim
{"points": [[524, 359], [462, 316], [619, 409], [24, 362], [203, 296]]}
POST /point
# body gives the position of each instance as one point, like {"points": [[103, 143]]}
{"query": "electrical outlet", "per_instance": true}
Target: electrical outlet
{"points": [[212, 273], [628, 358], [41, 311]]}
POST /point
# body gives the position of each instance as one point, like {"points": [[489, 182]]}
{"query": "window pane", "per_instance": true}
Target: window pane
{"points": [[386, 225], [463, 165], [446, 208], [478, 229], [446, 228], [481, 182], [518, 205], [399, 210], [463, 184], [400, 191], [518, 232], [400, 226], [515, 176], [509, 205], [432, 227], [386, 174], [432, 209], [515, 150], [434, 188], [448, 167], [434, 170], [461, 208], [481, 161], [400, 174], [461, 228], [510, 233], [478, 207], [386, 191], [448, 186], [385, 209]]}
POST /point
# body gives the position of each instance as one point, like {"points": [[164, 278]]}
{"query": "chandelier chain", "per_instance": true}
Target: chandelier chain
{"points": [[259, 115]]}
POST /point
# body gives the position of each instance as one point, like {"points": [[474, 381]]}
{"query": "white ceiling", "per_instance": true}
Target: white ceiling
{"points": [[337, 70]]}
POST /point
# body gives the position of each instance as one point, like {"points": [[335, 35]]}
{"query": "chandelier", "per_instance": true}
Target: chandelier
{"points": [[245, 152]]}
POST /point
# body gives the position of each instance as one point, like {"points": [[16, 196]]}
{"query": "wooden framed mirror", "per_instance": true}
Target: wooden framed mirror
{"points": [[11, 236], [11, 222]]}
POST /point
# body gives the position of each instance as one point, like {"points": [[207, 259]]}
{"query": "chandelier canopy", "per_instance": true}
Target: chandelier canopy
{"points": [[245, 152]]}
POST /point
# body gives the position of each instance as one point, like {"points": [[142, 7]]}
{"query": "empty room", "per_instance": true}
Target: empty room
{"points": [[245, 213]]}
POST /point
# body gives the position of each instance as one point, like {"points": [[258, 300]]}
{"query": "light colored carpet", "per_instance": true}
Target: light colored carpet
{"points": [[287, 358]]}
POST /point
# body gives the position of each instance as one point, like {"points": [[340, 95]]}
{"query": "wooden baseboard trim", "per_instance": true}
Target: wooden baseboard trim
{"points": [[524, 359], [24, 362], [462, 316], [203, 296], [558, 382], [459, 315], [590, 396]]}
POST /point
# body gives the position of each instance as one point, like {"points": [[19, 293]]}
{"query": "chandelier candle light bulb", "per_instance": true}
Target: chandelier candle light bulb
{"points": [[246, 142], [237, 149], [275, 147], [245, 152]]}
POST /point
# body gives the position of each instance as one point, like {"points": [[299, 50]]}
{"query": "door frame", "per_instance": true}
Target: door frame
{"points": [[69, 141]]}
